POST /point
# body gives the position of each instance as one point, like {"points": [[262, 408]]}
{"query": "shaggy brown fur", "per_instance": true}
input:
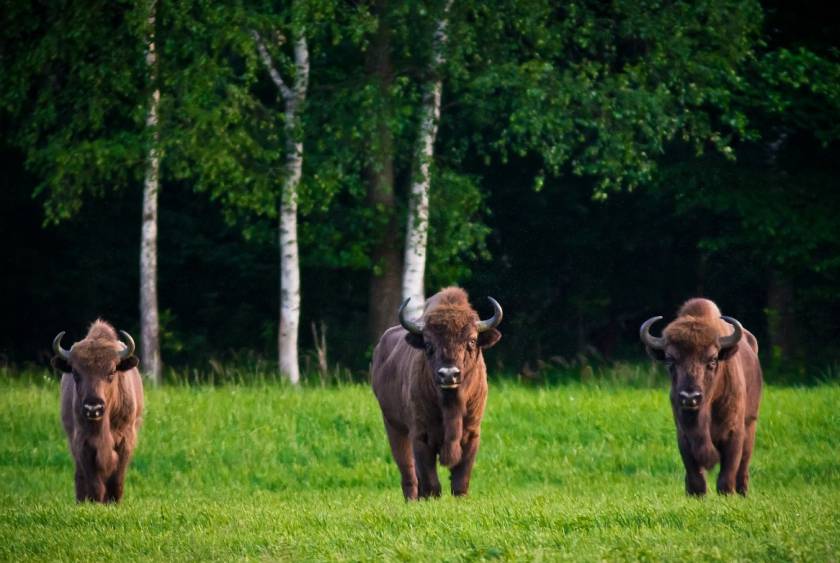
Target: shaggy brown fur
{"points": [[423, 420], [100, 448], [722, 428]]}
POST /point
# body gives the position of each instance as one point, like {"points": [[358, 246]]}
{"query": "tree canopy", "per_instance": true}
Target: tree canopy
{"points": [[596, 163]]}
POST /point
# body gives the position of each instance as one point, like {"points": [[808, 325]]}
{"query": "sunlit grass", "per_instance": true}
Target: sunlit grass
{"points": [[263, 471]]}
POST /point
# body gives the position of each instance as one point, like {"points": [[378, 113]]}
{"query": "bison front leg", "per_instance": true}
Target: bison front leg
{"points": [[81, 485], [695, 480], [463, 470], [90, 487], [428, 484], [115, 484], [89, 483], [742, 479], [730, 461], [404, 458]]}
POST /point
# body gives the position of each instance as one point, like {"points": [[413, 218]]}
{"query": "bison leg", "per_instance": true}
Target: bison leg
{"points": [[89, 484], [428, 484], [695, 481], [93, 488], [116, 482], [463, 470], [730, 461], [742, 478], [401, 450], [81, 485]]}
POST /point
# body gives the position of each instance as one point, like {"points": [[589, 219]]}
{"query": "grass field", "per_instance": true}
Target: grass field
{"points": [[267, 472]]}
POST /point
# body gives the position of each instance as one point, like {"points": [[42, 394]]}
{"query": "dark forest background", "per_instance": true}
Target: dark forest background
{"points": [[576, 274]]}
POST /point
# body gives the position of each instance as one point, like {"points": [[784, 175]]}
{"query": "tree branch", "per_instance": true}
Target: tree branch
{"points": [[302, 67], [269, 65]]}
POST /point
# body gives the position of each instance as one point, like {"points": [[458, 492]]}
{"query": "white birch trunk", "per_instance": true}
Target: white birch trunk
{"points": [[289, 321], [417, 229], [149, 319]]}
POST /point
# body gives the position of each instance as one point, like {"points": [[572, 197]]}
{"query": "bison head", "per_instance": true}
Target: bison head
{"points": [[452, 337], [693, 350], [95, 363]]}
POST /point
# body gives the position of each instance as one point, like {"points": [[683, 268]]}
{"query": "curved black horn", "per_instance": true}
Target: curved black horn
{"points": [[129, 345], [733, 339], [57, 346], [410, 326], [493, 321], [654, 342]]}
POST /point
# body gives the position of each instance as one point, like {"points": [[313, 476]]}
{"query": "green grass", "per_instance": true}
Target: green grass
{"points": [[268, 472]]}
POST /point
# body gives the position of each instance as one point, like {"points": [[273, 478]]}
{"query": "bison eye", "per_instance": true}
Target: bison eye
{"points": [[430, 349], [471, 343], [110, 377], [712, 364]]}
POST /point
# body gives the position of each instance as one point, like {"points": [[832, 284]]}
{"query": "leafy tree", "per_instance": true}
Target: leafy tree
{"points": [[416, 237], [74, 92], [598, 89]]}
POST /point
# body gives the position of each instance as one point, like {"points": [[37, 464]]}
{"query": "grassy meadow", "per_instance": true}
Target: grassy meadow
{"points": [[577, 472]]}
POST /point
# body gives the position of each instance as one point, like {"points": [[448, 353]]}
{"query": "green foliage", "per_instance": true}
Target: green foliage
{"points": [[270, 472], [800, 88], [599, 90], [457, 232], [73, 90], [544, 105]]}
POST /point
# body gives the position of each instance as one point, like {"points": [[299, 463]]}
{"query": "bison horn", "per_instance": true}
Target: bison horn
{"points": [[129, 345], [493, 321], [57, 346], [656, 343], [410, 326], [733, 339]]}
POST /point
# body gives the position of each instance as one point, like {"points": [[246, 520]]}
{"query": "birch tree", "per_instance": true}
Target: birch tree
{"points": [[417, 229], [149, 322], [293, 100]]}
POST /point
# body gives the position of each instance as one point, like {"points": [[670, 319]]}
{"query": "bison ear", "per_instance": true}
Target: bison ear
{"points": [[60, 364], [727, 353], [489, 337], [130, 362], [655, 354], [415, 341]]}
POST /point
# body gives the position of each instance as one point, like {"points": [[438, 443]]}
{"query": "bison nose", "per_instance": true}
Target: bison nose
{"points": [[448, 376], [93, 410], [690, 399]]}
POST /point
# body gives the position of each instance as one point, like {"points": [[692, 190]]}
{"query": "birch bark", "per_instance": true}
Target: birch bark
{"points": [[417, 230], [294, 97], [149, 318]]}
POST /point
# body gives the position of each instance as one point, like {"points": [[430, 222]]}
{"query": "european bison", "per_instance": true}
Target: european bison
{"points": [[101, 408], [431, 383], [715, 391]]}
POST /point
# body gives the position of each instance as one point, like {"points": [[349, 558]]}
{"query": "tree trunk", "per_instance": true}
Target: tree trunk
{"points": [[384, 290], [289, 314], [287, 341], [417, 230], [149, 320]]}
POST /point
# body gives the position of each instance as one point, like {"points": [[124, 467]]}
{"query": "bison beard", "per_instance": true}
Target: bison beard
{"points": [[101, 408], [716, 384], [431, 383]]}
